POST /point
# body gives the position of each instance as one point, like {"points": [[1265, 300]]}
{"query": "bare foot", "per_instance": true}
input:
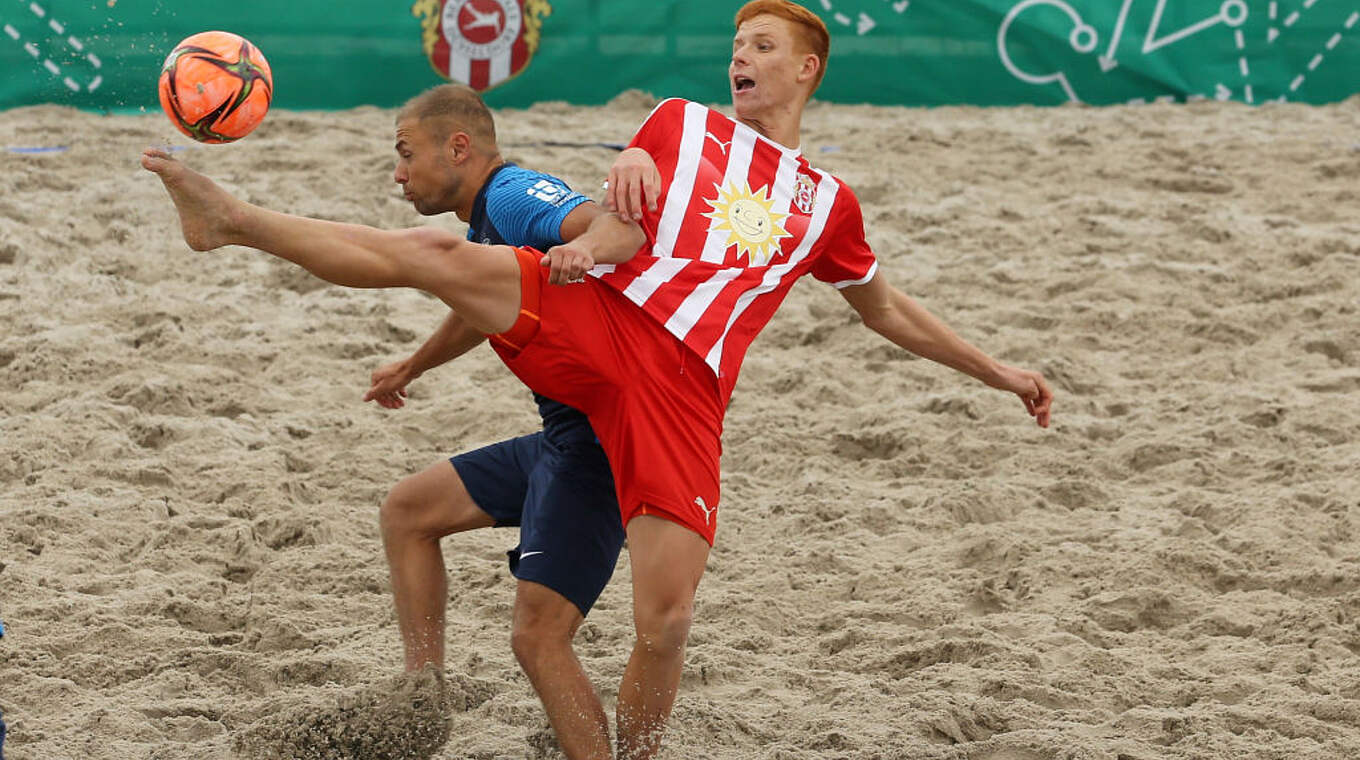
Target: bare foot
{"points": [[205, 210]]}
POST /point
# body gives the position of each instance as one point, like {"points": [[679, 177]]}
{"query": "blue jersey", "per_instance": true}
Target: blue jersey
{"points": [[520, 207]]}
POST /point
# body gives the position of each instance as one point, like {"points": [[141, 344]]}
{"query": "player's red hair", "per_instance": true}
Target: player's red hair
{"points": [[808, 27]]}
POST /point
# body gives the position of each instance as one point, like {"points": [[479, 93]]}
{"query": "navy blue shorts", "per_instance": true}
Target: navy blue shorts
{"points": [[558, 488]]}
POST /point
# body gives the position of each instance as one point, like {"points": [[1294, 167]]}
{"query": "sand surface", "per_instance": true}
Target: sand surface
{"points": [[906, 566]]}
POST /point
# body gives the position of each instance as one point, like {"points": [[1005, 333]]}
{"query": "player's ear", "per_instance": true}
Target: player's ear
{"points": [[811, 64], [458, 147]]}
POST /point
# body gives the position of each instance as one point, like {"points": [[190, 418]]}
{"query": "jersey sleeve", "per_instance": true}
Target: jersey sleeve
{"points": [[660, 133], [846, 258], [527, 208]]}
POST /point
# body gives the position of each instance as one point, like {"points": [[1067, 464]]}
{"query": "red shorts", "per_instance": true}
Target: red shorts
{"points": [[652, 401]]}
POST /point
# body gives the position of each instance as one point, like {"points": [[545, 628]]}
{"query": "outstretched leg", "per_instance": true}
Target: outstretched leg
{"points": [[480, 282], [668, 561]]}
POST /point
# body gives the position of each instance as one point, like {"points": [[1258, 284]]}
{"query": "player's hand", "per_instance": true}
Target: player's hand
{"points": [[633, 181], [568, 263], [1032, 390], [389, 385]]}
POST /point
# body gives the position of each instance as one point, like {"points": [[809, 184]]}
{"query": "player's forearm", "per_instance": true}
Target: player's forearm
{"points": [[453, 339], [909, 325], [612, 239]]}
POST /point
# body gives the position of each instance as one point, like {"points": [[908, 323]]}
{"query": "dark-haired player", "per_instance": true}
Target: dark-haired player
{"points": [[554, 484]]}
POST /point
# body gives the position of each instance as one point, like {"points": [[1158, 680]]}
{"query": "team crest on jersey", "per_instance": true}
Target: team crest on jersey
{"points": [[481, 43], [805, 194], [749, 220]]}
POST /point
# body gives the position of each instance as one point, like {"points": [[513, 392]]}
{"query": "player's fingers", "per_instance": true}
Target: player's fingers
{"points": [[1043, 404], [652, 189], [557, 276], [611, 189], [578, 269], [378, 390], [635, 198]]}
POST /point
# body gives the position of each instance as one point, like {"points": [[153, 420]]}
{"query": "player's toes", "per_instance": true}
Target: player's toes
{"points": [[156, 160]]}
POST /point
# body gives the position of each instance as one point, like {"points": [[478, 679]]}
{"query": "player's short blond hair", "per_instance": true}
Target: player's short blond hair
{"points": [[451, 107], [808, 28]]}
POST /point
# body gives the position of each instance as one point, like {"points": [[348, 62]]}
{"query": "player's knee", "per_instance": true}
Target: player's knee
{"points": [[528, 645], [405, 510], [443, 251], [664, 627], [435, 240], [533, 640]]}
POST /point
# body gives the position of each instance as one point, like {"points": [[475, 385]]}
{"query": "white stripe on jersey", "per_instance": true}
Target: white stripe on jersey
{"points": [[740, 150], [781, 195], [696, 303], [658, 274], [826, 198], [682, 183]]}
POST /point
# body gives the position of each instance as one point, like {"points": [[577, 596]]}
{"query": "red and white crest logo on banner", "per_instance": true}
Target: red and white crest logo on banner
{"points": [[480, 43]]}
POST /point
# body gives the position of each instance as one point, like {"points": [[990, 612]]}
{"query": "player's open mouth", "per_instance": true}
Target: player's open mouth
{"points": [[742, 84]]}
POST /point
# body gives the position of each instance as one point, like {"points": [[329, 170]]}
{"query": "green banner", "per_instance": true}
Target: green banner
{"points": [[107, 54]]}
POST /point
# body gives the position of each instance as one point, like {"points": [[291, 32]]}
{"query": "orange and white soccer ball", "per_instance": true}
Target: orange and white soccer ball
{"points": [[216, 87]]}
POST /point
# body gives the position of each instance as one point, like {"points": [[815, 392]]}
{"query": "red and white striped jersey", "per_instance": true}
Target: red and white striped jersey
{"points": [[739, 220]]}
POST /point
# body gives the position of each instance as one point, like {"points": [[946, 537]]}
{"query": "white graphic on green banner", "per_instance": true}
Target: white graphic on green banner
{"points": [[859, 20], [75, 50], [1227, 53]]}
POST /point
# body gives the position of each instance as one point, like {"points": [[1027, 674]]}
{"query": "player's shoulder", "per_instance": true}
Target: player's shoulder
{"points": [[515, 183], [672, 110], [669, 105], [820, 175], [515, 176], [817, 184]]}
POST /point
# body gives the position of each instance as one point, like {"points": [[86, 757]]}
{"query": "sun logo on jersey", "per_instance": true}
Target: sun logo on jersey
{"points": [[750, 221]]}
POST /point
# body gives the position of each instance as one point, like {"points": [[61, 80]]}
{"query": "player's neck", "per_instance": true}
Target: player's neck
{"points": [[783, 126], [467, 194]]}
